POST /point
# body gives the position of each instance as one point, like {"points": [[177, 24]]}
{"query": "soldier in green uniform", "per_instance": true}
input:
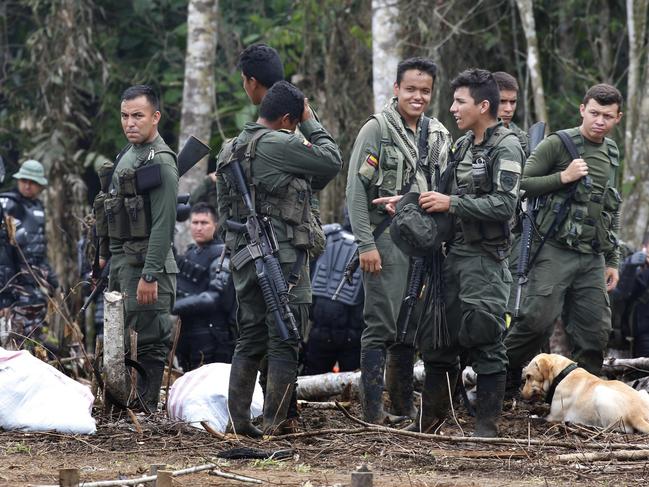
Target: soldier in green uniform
{"points": [[261, 67], [480, 191], [384, 162], [508, 87], [578, 263], [279, 165], [135, 222]]}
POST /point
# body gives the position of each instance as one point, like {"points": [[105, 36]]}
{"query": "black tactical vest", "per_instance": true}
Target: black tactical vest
{"points": [[194, 268]]}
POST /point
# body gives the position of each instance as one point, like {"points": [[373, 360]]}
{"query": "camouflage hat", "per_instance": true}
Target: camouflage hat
{"points": [[416, 232]]}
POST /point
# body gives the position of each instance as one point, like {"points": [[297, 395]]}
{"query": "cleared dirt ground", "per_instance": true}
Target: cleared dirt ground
{"points": [[331, 447]]}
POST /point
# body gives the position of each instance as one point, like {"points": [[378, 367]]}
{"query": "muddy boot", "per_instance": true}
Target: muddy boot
{"points": [[398, 379], [491, 390], [279, 389], [154, 371], [372, 365], [513, 383], [435, 399], [243, 375]]}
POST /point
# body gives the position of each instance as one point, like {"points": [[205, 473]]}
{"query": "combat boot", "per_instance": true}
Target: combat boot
{"points": [[491, 390], [149, 390], [372, 366], [243, 375], [398, 379], [435, 398], [279, 390]]}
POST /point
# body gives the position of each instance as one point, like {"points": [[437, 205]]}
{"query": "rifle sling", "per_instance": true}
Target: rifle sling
{"points": [[570, 146]]}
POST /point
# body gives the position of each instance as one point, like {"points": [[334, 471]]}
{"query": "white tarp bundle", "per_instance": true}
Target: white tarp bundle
{"points": [[34, 396], [202, 395]]}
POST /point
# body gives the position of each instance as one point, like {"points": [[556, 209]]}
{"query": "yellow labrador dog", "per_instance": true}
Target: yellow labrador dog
{"points": [[580, 397]]}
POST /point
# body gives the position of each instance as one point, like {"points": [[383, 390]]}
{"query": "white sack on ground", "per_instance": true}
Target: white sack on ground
{"points": [[202, 395], [34, 396]]}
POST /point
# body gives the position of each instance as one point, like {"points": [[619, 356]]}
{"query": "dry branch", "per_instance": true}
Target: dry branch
{"points": [[609, 455]]}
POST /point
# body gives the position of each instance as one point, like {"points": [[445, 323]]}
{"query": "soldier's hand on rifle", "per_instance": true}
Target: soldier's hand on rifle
{"points": [[611, 277], [576, 170], [389, 202], [434, 202], [147, 292], [370, 261]]}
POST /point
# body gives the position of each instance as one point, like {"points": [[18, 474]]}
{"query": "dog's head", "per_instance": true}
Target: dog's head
{"points": [[537, 376]]}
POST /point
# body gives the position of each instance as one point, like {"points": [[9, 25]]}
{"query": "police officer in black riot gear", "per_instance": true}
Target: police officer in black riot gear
{"points": [[337, 324], [33, 278], [205, 298]]}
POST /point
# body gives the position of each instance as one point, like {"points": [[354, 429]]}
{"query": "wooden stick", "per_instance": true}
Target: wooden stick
{"points": [[133, 346], [321, 405], [135, 421], [171, 361], [610, 455], [212, 431]]}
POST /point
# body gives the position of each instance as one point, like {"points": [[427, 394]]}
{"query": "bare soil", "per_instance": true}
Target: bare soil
{"points": [[327, 458]]}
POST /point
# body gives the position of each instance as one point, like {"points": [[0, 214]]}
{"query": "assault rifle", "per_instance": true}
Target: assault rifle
{"points": [[417, 273], [537, 132], [261, 250]]}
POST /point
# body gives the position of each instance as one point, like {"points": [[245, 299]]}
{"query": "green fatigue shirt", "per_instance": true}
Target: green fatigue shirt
{"points": [[369, 165], [486, 212], [280, 157], [205, 192], [542, 177], [160, 206], [523, 138]]}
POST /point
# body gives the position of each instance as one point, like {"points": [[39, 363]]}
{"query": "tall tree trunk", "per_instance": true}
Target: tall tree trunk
{"points": [[526, 9], [198, 90], [635, 209], [385, 50]]}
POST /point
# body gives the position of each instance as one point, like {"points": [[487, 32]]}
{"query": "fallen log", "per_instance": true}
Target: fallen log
{"points": [[609, 455], [315, 387], [621, 365]]}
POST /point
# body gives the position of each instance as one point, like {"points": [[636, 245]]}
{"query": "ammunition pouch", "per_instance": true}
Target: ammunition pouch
{"points": [[116, 217], [605, 229], [493, 237], [127, 182], [105, 173], [138, 225]]}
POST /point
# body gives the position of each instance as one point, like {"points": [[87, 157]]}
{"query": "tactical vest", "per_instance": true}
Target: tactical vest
{"points": [[394, 172], [330, 267], [588, 226], [492, 236], [194, 268], [30, 231], [290, 204], [124, 213]]}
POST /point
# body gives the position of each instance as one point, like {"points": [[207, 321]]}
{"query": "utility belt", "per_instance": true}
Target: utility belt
{"points": [[589, 223]]}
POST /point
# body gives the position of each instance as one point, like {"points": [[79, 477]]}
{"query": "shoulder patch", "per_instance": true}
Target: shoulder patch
{"points": [[307, 143], [508, 180], [372, 160], [511, 166]]}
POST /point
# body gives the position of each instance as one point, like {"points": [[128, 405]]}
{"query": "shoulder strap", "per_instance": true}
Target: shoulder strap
{"points": [[569, 143], [117, 159], [248, 150], [614, 157], [385, 132]]}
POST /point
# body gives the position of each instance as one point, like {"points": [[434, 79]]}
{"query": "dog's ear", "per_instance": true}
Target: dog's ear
{"points": [[542, 363]]}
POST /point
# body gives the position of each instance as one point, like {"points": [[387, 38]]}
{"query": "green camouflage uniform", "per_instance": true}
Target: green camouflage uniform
{"points": [[476, 274], [140, 230], [572, 262]]}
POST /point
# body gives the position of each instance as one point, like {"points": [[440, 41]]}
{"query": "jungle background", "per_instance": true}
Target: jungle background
{"points": [[64, 64]]}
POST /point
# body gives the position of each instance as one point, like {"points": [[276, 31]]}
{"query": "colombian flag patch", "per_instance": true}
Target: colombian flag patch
{"points": [[372, 160]]}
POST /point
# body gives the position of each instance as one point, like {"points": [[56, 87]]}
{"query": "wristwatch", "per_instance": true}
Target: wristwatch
{"points": [[149, 278]]}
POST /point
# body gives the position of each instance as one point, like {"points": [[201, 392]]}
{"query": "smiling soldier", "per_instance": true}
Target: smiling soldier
{"points": [[579, 220], [386, 161]]}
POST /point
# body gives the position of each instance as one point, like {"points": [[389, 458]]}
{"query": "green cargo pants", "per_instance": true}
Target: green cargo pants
{"points": [[384, 293], [561, 276], [258, 334], [476, 290], [152, 322]]}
